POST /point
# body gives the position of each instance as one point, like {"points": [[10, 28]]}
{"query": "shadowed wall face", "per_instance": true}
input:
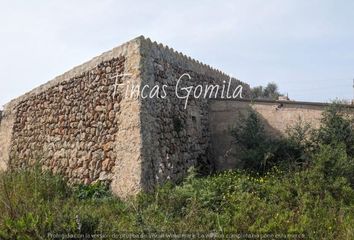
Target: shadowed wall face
{"points": [[276, 116], [175, 137]]}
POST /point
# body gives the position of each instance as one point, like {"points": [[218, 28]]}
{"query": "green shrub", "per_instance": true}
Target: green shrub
{"points": [[336, 127], [259, 152], [333, 162], [94, 191]]}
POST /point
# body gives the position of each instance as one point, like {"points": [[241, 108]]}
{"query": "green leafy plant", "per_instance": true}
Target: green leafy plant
{"points": [[336, 127], [93, 191], [260, 152]]}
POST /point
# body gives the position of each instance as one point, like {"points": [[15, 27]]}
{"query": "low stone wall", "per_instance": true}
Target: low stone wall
{"points": [[6, 126], [277, 116]]}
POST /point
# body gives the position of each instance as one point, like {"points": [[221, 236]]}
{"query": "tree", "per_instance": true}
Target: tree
{"points": [[269, 92], [336, 127], [258, 151]]}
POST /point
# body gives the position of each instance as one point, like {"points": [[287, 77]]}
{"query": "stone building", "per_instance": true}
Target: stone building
{"points": [[89, 124]]}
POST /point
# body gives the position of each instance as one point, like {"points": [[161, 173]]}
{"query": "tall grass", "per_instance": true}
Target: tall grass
{"points": [[34, 205]]}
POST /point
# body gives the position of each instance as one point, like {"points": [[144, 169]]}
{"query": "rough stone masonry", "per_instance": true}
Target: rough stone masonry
{"points": [[82, 124]]}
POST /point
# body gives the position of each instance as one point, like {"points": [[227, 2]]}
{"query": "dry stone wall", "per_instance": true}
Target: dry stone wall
{"points": [[79, 124], [6, 126], [83, 125], [71, 128], [175, 137]]}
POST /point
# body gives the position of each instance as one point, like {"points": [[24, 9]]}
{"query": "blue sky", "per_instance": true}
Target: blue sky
{"points": [[305, 46]]}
